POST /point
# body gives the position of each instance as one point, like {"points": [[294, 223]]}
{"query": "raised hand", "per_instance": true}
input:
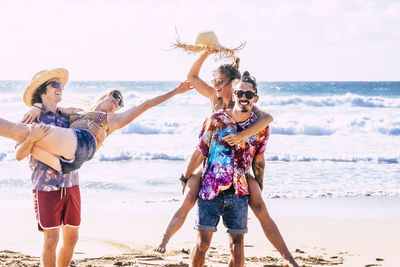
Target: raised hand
{"points": [[184, 87]]}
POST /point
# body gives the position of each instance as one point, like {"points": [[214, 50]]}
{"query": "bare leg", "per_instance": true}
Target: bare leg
{"points": [[269, 227], [47, 158], [70, 238], [14, 131], [198, 255], [181, 213], [60, 141], [49, 247], [236, 246]]}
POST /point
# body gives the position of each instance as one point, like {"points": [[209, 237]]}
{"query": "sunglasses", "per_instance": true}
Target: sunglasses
{"points": [[248, 94], [217, 81], [119, 98], [55, 84]]}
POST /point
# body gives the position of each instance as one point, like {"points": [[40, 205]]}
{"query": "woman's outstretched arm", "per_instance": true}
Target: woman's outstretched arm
{"points": [[193, 76], [119, 120], [264, 119]]}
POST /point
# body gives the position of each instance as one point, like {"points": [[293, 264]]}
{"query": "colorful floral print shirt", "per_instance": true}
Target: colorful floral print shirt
{"points": [[45, 178], [226, 165]]}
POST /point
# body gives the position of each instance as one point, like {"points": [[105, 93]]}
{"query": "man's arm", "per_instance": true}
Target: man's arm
{"points": [[258, 169]]}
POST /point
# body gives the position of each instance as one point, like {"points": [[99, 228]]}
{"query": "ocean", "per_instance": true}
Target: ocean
{"points": [[330, 142]]}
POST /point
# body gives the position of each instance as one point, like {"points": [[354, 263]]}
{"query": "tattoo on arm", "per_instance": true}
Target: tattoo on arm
{"points": [[258, 169]]}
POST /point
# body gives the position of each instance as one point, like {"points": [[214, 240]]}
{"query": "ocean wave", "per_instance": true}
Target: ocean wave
{"points": [[348, 99], [15, 182], [279, 157], [295, 158], [302, 130], [106, 186], [159, 156], [329, 194], [149, 127], [330, 126], [393, 129], [122, 156]]}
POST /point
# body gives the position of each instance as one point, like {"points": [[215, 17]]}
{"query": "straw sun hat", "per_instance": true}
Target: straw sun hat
{"points": [[208, 41], [42, 77]]}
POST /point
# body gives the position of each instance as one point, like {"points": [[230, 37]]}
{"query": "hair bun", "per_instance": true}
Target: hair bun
{"points": [[246, 74], [236, 62]]}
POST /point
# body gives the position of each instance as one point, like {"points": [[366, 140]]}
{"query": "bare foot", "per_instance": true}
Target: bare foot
{"points": [[162, 247]]}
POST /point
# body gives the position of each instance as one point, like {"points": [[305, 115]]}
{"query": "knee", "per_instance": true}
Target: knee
{"points": [[70, 239], [202, 246], [258, 206], [50, 241], [190, 199], [237, 244]]}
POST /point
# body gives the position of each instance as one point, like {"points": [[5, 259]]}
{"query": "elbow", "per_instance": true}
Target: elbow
{"points": [[147, 104], [270, 118], [267, 119], [19, 157], [190, 77]]}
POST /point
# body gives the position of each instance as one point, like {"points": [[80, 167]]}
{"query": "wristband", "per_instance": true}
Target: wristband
{"points": [[38, 105], [183, 179]]}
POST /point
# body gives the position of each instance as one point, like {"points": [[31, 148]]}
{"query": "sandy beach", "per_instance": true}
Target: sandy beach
{"points": [[125, 237]]}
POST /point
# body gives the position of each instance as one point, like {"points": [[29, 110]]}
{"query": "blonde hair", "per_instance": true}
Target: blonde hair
{"points": [[103, 96]]}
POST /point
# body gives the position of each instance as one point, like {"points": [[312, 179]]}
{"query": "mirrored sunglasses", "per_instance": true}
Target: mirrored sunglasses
{"points": [[248, 94], [119, 98], [55, 84], [217, 81]]}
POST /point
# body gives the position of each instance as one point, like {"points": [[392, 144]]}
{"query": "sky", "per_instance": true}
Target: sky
{"points": [[302, 40]]}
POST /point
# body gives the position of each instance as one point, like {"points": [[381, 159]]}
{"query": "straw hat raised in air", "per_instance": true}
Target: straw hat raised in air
{"points": [[42, 77], [208, 41]]}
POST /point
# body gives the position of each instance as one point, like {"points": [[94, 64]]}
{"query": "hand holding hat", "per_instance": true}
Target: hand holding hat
{"points": [[208, 41]]}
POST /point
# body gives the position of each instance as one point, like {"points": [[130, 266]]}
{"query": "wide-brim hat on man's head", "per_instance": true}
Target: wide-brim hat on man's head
{"points": [[208, 41], [42, 77]]}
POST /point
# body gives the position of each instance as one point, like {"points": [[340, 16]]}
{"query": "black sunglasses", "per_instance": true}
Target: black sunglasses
{"points": [[55, 84], [248, 94], [118, 97]]}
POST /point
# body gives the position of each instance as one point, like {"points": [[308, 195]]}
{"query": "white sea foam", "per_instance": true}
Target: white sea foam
{"points": [[321, 145], [348, 99]]}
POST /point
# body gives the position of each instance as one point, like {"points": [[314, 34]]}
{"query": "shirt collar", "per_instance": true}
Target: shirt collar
{"points": [[48, 112]]}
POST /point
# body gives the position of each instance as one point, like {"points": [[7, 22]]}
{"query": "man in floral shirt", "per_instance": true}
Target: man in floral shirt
{"points": [[224, 191], [56, 196]]}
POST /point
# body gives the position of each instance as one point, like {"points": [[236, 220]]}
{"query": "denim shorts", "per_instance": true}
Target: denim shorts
{"points": [[232, 208], [85, 148]]}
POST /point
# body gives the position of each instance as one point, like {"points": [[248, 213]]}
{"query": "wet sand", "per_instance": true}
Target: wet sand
{"points": [[121, 237]]}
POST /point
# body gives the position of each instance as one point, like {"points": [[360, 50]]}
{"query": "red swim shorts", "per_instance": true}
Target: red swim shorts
{"points": [[56, 208]]}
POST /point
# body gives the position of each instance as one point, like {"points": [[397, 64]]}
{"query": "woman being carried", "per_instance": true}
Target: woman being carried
{"points": [[66, 149]]}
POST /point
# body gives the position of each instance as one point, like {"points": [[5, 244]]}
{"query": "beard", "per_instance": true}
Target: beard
{"points": [[244, 109]]}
